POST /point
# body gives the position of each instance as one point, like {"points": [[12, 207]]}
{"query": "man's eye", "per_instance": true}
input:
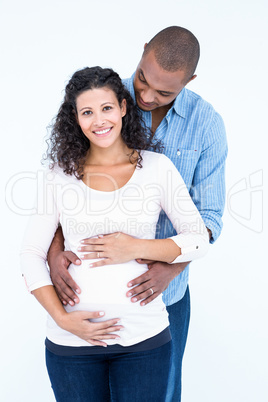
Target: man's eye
{"points": [[141, 78], [163, 94]]}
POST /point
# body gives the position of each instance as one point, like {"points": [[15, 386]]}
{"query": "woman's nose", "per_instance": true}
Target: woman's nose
{"points": [[99, 120]]}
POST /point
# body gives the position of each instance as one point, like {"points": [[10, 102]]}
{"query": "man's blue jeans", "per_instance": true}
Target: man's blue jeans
{"points": [[179, 317], [116, 377]]}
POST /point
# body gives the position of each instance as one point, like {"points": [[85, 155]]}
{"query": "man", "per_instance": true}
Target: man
{"points": [[194, 138]]}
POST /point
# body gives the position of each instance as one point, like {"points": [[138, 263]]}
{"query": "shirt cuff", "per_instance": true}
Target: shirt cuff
{"points": [[38, 285], [192, 246]]}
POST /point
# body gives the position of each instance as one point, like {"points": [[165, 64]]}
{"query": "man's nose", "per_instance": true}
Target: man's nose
{"points": [[147, 95]]}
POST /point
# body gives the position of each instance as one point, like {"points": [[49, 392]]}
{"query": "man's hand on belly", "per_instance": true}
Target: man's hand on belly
{"points": [[62, 280], [153, 282]]}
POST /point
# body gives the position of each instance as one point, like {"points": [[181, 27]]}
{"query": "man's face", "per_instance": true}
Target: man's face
{"points": [[155, 87]]}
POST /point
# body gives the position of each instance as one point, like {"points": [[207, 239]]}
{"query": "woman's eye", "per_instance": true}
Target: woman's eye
{"points": [[107, 108], [87, 112]]}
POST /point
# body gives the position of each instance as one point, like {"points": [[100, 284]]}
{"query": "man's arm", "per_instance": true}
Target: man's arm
{"points": [[208, 186], [157, 278], [59, 261]]}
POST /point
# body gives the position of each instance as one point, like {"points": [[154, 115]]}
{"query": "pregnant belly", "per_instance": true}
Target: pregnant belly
{"points": [[107, 284], [104, 289]]}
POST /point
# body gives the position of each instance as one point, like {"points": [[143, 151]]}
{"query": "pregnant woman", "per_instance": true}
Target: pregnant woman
{"points": [[104, 183]]}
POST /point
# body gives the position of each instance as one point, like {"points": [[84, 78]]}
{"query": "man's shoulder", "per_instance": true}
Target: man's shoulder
{"points": [[128, 82], [197, 108], [196, 100]]}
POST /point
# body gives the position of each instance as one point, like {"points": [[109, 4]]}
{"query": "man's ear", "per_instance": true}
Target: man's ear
{"points": [[145, 46], [191, 79]]}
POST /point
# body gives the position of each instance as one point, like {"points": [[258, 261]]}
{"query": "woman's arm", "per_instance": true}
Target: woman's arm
{"points": [[117, 248], [43, 235], [37, 238], [192, 235]]}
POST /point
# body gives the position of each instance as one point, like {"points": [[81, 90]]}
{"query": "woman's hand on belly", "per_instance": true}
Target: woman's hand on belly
{"points": [[79, 323], [115, 248]]}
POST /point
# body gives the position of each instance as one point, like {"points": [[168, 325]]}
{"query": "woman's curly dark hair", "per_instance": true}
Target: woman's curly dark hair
{"points": [[68, 145]]}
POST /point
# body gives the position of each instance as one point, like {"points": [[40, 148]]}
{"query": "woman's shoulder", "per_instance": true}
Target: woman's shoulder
{"points": [[159, 166], [156, 158], [55, 173]]}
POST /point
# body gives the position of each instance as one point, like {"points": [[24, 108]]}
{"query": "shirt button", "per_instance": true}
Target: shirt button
{"points": [[178, 153]]}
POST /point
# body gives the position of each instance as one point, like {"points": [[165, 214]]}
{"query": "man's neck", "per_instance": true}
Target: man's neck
{"points": [[158, 115]]}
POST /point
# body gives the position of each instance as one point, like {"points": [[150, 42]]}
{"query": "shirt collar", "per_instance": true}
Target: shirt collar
{"points": [[180, 103], [132, 92]]}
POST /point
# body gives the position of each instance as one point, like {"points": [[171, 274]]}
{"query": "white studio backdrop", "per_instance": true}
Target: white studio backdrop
{"points": [[42, 44]]}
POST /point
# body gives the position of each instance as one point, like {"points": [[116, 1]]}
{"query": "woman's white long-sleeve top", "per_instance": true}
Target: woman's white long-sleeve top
{"points": [[132, 209]]}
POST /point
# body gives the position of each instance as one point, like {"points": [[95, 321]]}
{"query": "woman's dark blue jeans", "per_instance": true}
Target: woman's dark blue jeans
{"points": [[116, 377]]}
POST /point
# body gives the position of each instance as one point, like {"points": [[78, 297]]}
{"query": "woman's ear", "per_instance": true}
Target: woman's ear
{"points": [[123, 107]]}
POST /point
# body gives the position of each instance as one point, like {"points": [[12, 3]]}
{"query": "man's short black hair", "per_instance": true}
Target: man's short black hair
{"points": [[175, 48]]}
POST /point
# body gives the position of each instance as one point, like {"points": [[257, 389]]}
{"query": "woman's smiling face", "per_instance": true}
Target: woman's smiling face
{"points": [[100, 116]]}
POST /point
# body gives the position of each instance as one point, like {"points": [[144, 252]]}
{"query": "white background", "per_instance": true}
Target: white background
{"points": [[42, 44]]}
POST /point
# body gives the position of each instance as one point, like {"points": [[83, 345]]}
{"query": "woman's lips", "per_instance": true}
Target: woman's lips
{"points": [[103, 132]]}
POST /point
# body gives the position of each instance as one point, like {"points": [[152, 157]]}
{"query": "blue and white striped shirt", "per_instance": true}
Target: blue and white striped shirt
{"points": [[193, 136]]}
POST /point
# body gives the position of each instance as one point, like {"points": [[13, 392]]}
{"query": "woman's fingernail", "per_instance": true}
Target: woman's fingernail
{"points": [[134, 299], [129, 285], [79, 248], [101, 313]]}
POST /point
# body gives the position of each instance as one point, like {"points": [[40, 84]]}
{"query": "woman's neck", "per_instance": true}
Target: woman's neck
{"points": [[108, 170], [108, 156]]}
